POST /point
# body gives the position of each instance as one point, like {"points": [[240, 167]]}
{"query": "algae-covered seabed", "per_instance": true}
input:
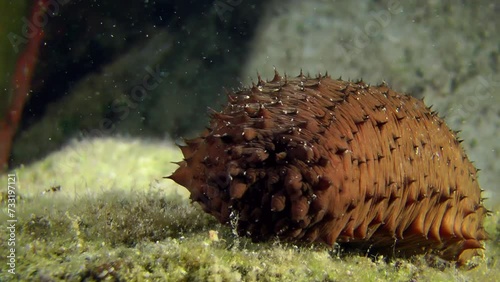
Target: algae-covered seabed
{"points": [[100, 210]]}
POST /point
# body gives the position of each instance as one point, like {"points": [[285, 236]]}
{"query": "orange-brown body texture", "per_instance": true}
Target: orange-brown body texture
{"points": [[318, 159]]}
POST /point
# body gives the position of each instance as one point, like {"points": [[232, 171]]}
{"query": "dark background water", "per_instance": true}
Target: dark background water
{"points": [[152, 69]]}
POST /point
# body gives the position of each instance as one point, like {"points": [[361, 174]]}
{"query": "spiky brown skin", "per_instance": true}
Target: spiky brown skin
{"points": [[317, 159]]}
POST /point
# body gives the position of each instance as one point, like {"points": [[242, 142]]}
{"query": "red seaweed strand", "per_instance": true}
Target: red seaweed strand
{"points": [[21, 84]]}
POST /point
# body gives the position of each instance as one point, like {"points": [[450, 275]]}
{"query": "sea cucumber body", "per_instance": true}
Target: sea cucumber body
{"points": [[318, 159]]}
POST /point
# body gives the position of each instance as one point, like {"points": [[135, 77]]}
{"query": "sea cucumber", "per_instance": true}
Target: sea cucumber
{"points": [[318, 159]]}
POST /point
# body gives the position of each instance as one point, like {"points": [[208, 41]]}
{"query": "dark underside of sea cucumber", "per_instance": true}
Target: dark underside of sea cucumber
{"points": [[318, 159]]}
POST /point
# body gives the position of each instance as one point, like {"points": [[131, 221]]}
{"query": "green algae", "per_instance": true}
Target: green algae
{"points": [[115, 219]]}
